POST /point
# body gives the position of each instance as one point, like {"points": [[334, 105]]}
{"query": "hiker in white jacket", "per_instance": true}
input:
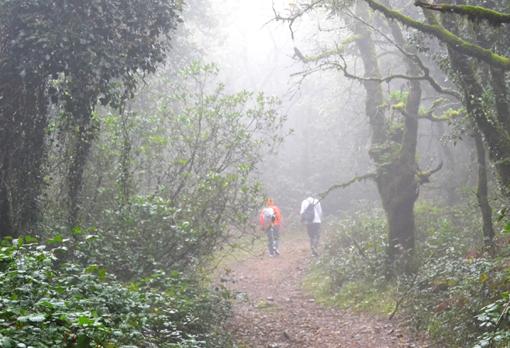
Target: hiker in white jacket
{"points": [[311, 216]]}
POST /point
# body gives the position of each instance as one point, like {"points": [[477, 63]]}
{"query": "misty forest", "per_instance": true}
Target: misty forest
{"points": [[254, 173]]}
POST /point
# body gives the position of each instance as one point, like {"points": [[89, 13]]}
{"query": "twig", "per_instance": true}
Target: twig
{"points": [[401, 299], [292, 18], [503, 314], [346, 184]]}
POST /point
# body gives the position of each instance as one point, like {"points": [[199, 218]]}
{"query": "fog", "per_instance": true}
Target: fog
{"points": [[327, 132], [327, 139], [141, 140]]}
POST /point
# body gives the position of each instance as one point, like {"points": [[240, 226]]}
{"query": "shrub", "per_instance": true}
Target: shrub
{"points": [[352, 269], [494, 321], [356, 249], [46, 304], [453, 281]]}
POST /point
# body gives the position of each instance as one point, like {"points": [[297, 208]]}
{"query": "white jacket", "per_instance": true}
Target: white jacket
{"points": [[318, 210]]}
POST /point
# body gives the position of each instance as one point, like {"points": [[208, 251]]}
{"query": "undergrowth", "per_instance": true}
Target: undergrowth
{"points": [[457, 288], [48, 301]]}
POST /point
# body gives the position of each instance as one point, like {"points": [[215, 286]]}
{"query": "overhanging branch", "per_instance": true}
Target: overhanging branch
{"points": [[474, 13], [415, 58], [425, 77], [445, 36], [356, 179], [424, 177]]}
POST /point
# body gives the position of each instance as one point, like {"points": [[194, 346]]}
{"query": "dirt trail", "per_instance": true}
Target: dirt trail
{"points": [[272, 310]]}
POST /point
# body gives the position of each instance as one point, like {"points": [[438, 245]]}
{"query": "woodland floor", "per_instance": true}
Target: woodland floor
{"points": [[272, 310]]}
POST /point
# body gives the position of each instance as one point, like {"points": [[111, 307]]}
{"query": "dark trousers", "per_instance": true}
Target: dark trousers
{"points": [[314, 233], [273, 235]]}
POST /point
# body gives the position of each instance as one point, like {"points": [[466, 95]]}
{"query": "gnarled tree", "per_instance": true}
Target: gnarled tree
{"points": [[95, 50], [462, 52], [394, 128]]}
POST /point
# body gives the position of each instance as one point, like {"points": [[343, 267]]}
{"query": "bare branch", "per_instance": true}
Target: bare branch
{"points": [[424, 77], [338, 50], [403, 297], [431, 117], [415, 58], [293, 17], [356, 179], [504, 312], [447, 115], [424, 177]]}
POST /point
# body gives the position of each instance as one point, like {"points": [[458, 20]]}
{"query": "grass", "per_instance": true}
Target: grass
{"points": [[357, 296], [241, 248]]}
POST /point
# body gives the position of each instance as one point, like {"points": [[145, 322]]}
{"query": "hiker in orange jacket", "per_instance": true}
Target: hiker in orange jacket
{"points": [[270, 221], [277, 213]]}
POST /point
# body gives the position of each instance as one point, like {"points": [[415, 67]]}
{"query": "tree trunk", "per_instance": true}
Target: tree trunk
{"points": [[23, 124], [482, 195], [495, 136], [79, 154], [5, 213], [398, 189], [498, 83], [125, 156], [395, 161], [451, 179]]}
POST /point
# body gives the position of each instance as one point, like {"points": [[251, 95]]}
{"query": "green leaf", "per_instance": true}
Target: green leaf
{"points": [[31, 239], [85, 321], [57, 239], [34, 318], [77, 231]]}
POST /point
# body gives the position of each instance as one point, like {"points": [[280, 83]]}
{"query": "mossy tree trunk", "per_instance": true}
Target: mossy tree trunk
{"points": [[395, 157], [482, 195], [81, 148], [476, 111], [80, 106], [495, 131]]}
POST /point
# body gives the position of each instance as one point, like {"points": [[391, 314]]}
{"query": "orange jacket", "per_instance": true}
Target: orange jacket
{"points": [[277, 215]]}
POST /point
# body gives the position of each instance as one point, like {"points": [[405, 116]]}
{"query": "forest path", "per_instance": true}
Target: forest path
{"points": [[272, 310]]}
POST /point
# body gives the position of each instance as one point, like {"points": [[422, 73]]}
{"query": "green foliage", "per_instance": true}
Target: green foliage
{"points": [[356, 249], [74, 55], [47, 302], [168, 183], [494, 321], [453, 282], [447, 293], [92, 43], [151, 234], [438, 228], [184, 184]]}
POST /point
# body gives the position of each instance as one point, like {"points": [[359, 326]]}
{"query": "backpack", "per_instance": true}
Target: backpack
{"points": [[309, 214], [268, 216]]}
